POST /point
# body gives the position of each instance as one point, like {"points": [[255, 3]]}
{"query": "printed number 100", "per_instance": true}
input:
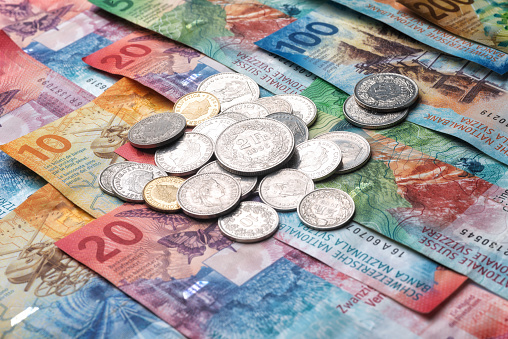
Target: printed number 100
{"points": [[310, 38]]}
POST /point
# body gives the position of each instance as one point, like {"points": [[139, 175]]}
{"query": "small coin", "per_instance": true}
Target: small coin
{"points": [[326, 209], [230, 88], [249, 109], [233, 115], [364, 118], [302, 106], [129, 182], [252, 221], [209, 195], [107, 174], [160, 193], [213, 128], [355, 149], [247, 184], [295, 124], [318, 158], [386, 92], [284, 189], [275, 104], [186, 156], [157, 130], [197, 107], [255, 147]]}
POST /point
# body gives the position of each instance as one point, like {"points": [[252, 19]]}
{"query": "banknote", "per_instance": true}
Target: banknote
{"points": [[132, 153], [71, 152], [483, 21]]}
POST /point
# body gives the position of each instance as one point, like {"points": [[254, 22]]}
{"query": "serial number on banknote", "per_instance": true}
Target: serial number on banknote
{"points": [[483, 241], [58, 91], [96, 83]]}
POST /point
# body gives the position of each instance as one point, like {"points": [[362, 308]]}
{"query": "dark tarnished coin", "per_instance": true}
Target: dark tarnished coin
{"points": [[284, 189], [355, 149], [107, 174], [157, 130], [364, 118], [317, 158], [213, 128], [275, 104], [249, 109], [129, 182], [160, 194], [302, 106], [246, 183], [197, 107], [295, 124]]}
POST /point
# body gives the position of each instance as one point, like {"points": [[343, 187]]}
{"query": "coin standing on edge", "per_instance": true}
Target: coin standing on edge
{"points": [[213, 128], [107, 174], [284, 189], [247, 184], [355, 149], [157, 130], [197, 107], [275, 104], [326, 209], [129, 182], [303, 107], [160, 194], [317, 158], [368, 119], [249, 109], [251, 222], [295, 124]]}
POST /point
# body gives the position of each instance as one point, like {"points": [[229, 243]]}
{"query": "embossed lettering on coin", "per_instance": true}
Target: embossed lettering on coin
{"points": [[157, 130], [246, 183], [197, 107], [230, 88], [249, 109], [317, 158], [160, 193], [355, 149], [302, 106], [129, 182], [284, 189], [364, 118]]}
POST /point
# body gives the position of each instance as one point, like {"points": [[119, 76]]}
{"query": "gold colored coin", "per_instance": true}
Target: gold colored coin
{"points": [[197, 107], [160, 194]]}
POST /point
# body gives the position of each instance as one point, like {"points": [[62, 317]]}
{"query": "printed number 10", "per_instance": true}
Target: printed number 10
{"points": [[308, 39]]}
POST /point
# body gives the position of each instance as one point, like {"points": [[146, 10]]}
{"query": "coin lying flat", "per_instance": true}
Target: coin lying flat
{"points": [[252, 221], [197, 107], [186, 156], [255, 147], [284, 189], [275, 104], [129, 182], [209, 195], [233, 115], [317, 158], [107, 174], [302, 106], [386, 92], [247, 184], [355, 149], [160, 193], [364, 118], [295, 124], [213, 128], [326, 209], [249, 109], [230, 88], [157, 130]]}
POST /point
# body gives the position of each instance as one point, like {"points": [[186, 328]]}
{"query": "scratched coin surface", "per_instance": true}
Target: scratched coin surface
{"points": [[275, 104], [249, 109], [302, 106], [386, 92], [246, 183], [355, 149], [197, 107], [295, 124], [318, 158], [107, 174], [326, 209], [157, 130], [365, 118], [160, 194], [129, 182], [251, 222], [284, 189], [213, 128]]}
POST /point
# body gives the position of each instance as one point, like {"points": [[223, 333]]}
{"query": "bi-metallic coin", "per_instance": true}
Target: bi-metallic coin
{"points": [[246, 183], [295, 124], [129, 182], [355, 149], [284, 189], [160, 194], [157, 130], [317, 158], [368, 119], [197, 107]]}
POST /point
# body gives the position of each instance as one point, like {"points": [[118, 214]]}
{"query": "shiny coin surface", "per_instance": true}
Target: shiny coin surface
{"points": [[317, 158], [275, 104], [233, 115], [209, 195], [364, 118], [295, 124], [302, 106], [284, 189], [160, 194], [386, 92], [129, 182], [213, 128], [355, 149], [186, 156], [197, 107], [326, 209], [247, 184], [255, 147], [252, 221], [157, 130], [249, 109], [230, 88], [107, 174]]}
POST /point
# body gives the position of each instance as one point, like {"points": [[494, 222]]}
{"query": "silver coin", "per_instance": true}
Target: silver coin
{"points": [[275, 104], [234, 115], [295, 124], [129, 182], [246, 183], [230, 88], [364, 118], [212, 128], [186, 156], [326, 209], [107, 174], [252, 221], [209, 195], [249, 109], [284, 189], [255, 147], [157, 130], [386, 92], [355, 149], [302, 106], [317, 158]]}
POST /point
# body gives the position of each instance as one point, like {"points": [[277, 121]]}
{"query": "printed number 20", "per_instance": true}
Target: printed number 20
{"points": [[308, 39]]}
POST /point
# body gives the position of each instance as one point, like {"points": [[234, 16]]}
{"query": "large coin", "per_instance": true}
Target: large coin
{"points": [[246, 183], [186, 156], [364, 118], [295, 124], [284, 189], [386, 92], [317, 158], [233, 115], [249, 109], [107, 174], [209, 195], [355, 149], [252, 221], [255, 147], [230, 88], [302, 106], [326, 209], [197, 107], [275, 104], [213, 128], [160, 193], [129, 182], [157, 130]]}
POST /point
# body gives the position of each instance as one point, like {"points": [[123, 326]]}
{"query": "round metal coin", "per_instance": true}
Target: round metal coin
{"points": [[213, 128], [364, 118], [157, 130], [326, 209], [249, 109], [129, 182], [160, 193], [107, 174], [355, 149], [246, 183], [275, 104], [284, 189], [233, 115], [317, 158], [295, 124], [252, 221], [302, 106], [197, 107]]}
